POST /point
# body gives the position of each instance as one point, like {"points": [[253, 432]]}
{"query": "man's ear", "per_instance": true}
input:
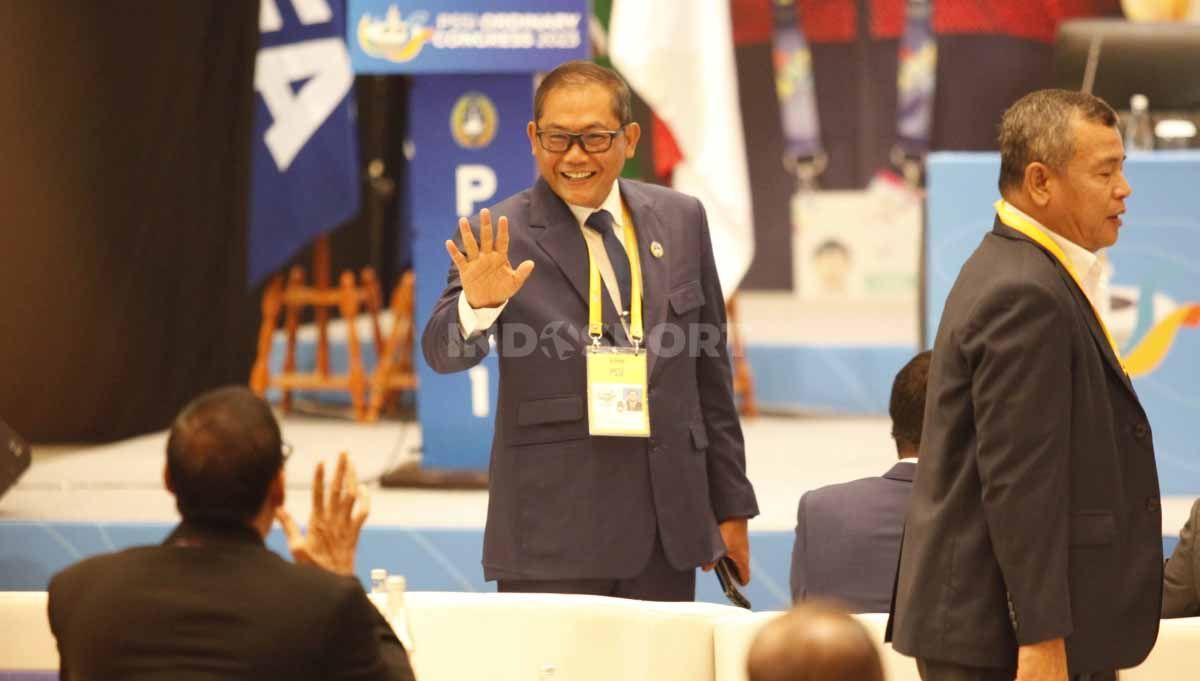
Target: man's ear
{"points": [[1038, 179], [276, 493], [167, 479], [531, 131], [633, 133]]}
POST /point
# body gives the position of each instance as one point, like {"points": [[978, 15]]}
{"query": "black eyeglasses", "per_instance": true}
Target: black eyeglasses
{"points": [[592, 141]]}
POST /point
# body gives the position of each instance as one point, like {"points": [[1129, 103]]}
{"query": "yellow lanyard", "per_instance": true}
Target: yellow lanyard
{"points": [[595, 300], [1010, 217]]}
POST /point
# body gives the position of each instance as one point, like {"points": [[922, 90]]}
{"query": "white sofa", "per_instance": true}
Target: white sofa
{"points": [[500, 637], [523, 637], [26, 643]]}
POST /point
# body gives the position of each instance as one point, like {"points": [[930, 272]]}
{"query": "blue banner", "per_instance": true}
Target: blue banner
{"points": [[465, 36], [469, 151], [305, 162], [1154, 288]]}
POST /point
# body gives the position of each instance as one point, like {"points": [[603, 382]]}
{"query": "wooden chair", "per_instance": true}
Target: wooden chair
{"points": [[348, 299], [394, 370]]}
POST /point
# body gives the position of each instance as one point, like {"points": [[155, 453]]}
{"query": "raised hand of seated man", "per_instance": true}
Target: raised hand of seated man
{"points": [[335, 523]]}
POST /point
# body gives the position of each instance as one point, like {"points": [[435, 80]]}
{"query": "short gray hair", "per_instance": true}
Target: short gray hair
{"points": [[579, 73], [1037, 128]]}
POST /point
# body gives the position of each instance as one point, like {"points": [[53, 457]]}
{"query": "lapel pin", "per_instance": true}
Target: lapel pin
{"points": [[656, 249]]}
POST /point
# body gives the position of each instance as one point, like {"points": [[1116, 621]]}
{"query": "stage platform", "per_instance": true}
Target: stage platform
{"points": [[77, 501]]}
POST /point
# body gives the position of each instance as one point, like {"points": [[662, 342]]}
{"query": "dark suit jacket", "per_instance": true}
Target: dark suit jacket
{"points": [[564, 504], [1181, 583], [222, 606], [848, 540], [1035, 511]]}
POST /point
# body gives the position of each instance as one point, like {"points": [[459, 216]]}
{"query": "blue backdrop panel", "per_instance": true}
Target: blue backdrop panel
{"points": [[448, 180], [836, 379], [465, 36], [305, 158], [1155, 270]]}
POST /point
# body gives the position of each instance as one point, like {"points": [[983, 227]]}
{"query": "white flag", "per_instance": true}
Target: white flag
{"points": [[679, 58]]}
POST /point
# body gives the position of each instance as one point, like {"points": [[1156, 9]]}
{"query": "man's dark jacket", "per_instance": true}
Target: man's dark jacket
{"points": [[215, 603], [1035, 511]]}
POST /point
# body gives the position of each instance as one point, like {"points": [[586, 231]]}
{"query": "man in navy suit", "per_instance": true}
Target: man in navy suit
{"points": [[848, 535], [569, 511]]}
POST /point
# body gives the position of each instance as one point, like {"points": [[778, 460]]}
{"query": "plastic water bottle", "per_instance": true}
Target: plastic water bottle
{"points": [[398, 613], [379, 578], [1139, 134]]}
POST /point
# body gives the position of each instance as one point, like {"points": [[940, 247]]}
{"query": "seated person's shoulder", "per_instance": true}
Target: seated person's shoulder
{"points": [[97, 567], [835, 493]]}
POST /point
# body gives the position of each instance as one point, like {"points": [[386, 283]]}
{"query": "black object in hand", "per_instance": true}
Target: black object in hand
{"points": [[727, 575]]}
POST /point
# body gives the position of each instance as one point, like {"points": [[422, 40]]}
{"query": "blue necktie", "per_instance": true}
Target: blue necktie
{"points": [[602, 222]]}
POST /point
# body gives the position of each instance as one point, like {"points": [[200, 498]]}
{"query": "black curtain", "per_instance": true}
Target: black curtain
{"points": [[124, 178]]}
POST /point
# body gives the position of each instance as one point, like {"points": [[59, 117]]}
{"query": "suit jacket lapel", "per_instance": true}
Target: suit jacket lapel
{"points": [[654, 270], [1081, 301], [559, 236]]}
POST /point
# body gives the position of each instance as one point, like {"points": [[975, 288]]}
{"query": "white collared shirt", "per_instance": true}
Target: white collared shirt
{"points": [[473, 320], [1091, 267]]}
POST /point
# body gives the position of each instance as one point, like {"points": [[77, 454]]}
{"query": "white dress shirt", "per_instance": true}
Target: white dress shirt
{"points": [[1089, 267]]}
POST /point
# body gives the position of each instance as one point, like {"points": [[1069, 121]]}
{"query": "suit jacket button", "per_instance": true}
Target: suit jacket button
{"points": [[1152, 504], [1140, 431]]}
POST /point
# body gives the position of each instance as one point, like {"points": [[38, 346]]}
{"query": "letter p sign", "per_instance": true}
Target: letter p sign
{"points": [[472, 184]]}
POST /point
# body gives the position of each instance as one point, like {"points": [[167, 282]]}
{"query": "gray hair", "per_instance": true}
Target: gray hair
{"points": [[1037, 128], [579, 73]]}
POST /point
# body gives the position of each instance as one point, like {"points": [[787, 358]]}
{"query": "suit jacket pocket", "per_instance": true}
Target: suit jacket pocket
{"points": [[1092, 528], [686, 297], [550, 410], [550, 419]]}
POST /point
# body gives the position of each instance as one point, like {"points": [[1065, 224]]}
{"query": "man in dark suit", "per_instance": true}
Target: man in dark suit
{"points": [[848, 535], [1033, 540], [212, 602], [1181, 578], [570, 512]]}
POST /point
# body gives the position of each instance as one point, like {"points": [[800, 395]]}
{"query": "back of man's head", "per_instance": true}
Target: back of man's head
{"points": [[814, 641], [223, 452], [907, 406]]}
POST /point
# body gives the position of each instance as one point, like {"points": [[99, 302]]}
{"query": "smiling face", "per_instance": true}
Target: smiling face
{"points": [[1088, 196], [579, 177]]}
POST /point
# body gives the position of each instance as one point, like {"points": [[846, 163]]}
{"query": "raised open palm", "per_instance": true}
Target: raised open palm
{"points": [[335, 524], [488, 279]]}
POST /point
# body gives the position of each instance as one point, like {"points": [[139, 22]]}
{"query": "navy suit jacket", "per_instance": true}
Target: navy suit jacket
{"points": [[563, 504], [848, 540]]}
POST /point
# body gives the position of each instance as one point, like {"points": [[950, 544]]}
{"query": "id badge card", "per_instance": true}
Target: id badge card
{"points": [[616, 389]]}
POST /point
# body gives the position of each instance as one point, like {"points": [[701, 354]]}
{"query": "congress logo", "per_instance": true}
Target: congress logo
{"points": [[473, 121], [393, 38], [1145, 324]]}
